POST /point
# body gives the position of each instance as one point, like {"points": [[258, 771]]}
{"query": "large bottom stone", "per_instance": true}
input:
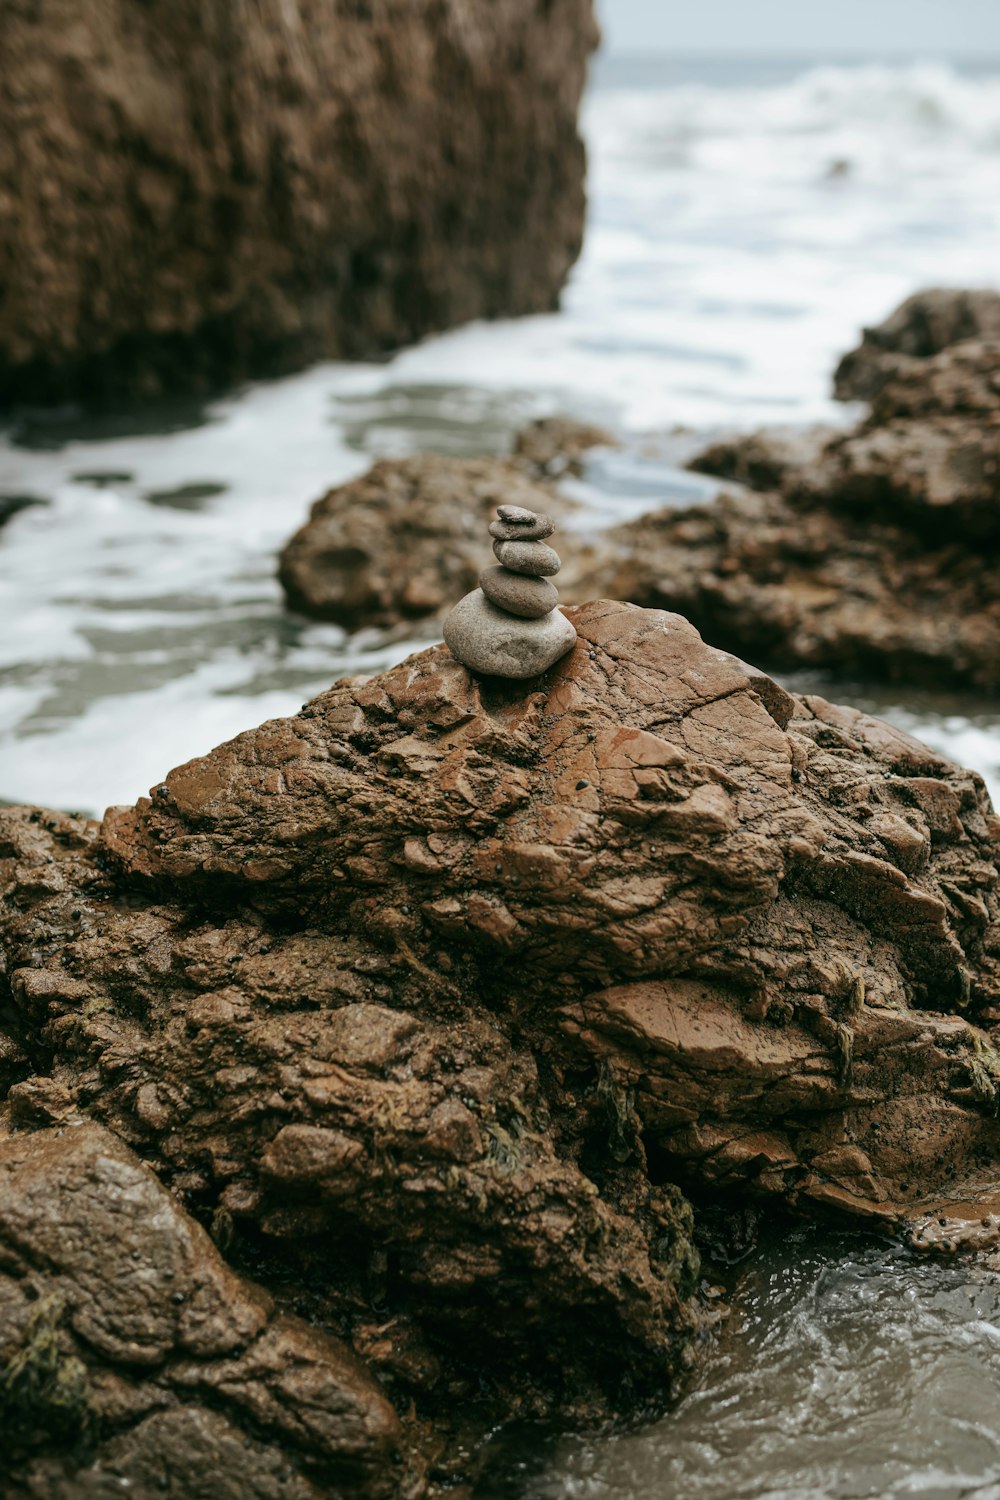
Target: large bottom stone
{"points": [[488, 640]]}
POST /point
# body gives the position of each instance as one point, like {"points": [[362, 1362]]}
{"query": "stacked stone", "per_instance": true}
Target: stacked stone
{"points": [[510, 625]]}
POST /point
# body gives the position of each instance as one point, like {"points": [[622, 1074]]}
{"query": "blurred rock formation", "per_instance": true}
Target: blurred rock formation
{"points": [[195, 192], [870, 552]]}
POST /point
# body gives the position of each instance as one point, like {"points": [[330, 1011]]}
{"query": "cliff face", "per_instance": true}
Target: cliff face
{"points": [[425, 998], [197, 191]]}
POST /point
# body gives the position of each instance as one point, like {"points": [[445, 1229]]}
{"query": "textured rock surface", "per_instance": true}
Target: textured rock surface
{"points": [[119, 1316], [195, 192], [805, 587], [920, 327], [428, 995]]}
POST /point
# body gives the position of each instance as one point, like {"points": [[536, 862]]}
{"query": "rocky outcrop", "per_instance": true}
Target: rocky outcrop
{"points": [[870, 551], [120, 1321], [804, 587], [921, 327], [199, 192], [428, 997]]}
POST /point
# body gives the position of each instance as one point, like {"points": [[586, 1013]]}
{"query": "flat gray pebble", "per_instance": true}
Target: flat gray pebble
{"points": [[529, 598], [510, 531], [517, 514], [533, 559]]}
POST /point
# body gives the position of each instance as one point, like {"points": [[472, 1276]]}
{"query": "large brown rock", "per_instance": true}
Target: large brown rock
{"points": [[197, 191], [803, 586], [873, 550], [426, 996]]}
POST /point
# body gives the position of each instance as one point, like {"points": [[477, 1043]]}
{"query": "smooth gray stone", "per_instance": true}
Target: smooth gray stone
{"points": [[533, 559], [530, 598], [488, 640], [517, 515], [517, 531]]}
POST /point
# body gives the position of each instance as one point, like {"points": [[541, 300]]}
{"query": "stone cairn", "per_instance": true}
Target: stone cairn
{"points": [[510, 626]]}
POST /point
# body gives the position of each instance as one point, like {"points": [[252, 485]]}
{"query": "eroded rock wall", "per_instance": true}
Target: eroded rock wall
{"points": [[198, 191]]}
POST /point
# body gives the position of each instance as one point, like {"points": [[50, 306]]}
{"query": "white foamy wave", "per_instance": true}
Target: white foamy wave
{"points": [[923, 102], [739, 233]]}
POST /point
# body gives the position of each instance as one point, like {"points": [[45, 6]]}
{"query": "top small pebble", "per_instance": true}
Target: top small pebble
{"points": [[515, 515]]}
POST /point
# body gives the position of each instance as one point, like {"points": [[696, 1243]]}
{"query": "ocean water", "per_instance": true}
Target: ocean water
{"points": [[849, 1372], [745, 221]]}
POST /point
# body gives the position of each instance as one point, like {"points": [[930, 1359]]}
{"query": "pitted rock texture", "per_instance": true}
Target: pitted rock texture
{"points": [[132, 1357], [432, 992], [199, 192]]}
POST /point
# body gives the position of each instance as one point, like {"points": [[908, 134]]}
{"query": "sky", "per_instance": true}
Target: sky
{"points": [[903, 27]]}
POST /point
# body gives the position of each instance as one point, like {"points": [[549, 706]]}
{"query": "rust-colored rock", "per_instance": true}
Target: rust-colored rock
{"points": [[194, 192], [430, 993]]}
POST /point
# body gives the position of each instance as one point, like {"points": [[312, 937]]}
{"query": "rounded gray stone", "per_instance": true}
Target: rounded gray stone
{"points": [[488, 640], [530, 598], [517, 515], [511, 531], [533, 559]]}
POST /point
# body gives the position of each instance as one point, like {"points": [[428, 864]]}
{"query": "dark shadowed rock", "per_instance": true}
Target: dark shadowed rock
{"points": [[12, 505], [198, 192], [119, 1316]]}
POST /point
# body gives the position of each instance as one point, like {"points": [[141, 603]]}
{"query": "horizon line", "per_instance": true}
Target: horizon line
{"points": [[706, 54]]}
